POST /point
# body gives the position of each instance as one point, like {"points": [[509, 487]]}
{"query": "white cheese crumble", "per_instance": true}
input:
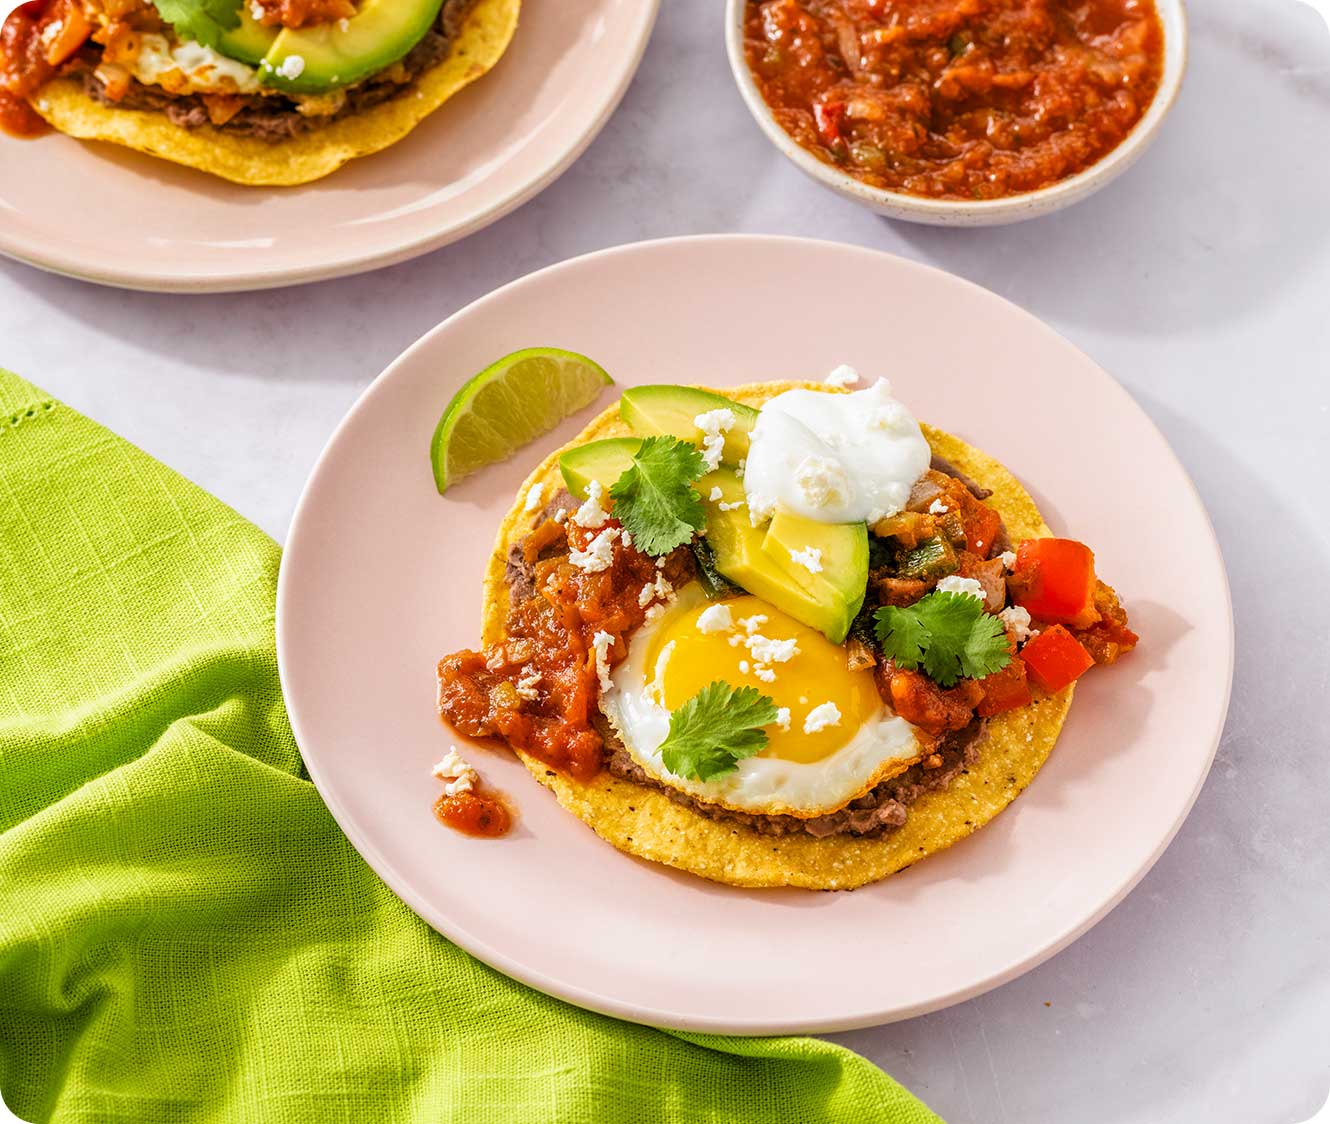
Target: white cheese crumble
{"points": [[937, 507], [591, 515], [1008, 559], [599, 554], [731, 506], [716, 494], [293, 66], [821, 718], [968, 586], [842, 376], [822, 481], [744, 666], [715, 618], [526, 686], [783, 717], [456, 773], [810, 558], [753, 623], [602, 642], [660, 588], [765, 650], [765, 674], [627, 538], [1017, 621], [713, 425], [534, 496]]}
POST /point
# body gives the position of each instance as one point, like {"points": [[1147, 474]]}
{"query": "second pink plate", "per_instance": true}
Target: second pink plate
{"points": [[489, 149], [382, 576]]}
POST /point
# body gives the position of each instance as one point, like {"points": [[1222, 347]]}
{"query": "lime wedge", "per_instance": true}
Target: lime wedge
{"points": [[508, 404]]}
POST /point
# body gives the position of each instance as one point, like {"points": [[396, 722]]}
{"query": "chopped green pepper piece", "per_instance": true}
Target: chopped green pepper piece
{"points": [[932, 560]]}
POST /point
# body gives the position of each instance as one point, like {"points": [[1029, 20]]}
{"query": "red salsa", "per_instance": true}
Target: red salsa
{"points": [[474, 813], [956, 99]]}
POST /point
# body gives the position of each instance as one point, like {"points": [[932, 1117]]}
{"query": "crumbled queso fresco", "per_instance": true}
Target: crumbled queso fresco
{"points": [[810, 558], [968, 586], [822, 717], [591, 515], [599, 554], [456, 773], [715, 618], [601, 643], [713, 425], [842, 376]]}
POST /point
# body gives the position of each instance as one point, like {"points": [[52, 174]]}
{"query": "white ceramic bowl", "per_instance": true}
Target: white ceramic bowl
{"points": [[987, 212]]}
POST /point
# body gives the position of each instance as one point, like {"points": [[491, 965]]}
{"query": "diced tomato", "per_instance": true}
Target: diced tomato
{"points": [[1054, 580], [982, 524], [1056, 658], [72, 32], [1004, 690]]}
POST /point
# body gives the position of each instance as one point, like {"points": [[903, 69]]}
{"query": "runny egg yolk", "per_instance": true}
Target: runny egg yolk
{"points": [[815, 674]]}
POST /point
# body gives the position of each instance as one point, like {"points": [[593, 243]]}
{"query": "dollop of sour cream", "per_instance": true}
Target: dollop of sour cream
{"points": [[835, 458]]}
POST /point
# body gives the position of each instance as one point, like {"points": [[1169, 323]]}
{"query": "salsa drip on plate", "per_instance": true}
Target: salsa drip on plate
{"points": [[956, 99]]}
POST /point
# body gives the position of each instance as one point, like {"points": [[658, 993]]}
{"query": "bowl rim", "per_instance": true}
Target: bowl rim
{"points": [[1173, 16]]}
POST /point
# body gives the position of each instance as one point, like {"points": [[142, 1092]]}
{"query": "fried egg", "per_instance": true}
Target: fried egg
{"points": [[835, 739]]}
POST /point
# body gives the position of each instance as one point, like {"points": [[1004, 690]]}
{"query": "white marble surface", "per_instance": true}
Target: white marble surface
{"points": [[1202, 280]]}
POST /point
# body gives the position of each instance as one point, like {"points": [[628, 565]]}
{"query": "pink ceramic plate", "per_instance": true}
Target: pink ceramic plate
{"points": [[382, 576], [488, 150]]}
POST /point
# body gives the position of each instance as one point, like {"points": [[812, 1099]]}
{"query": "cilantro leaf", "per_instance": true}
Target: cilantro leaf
{"points": [[654, 498], [200, 20], [715, 729], [948, 634]]}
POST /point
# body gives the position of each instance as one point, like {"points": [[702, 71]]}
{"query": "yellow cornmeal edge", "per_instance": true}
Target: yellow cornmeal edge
{"points": [[645, 822], [484, 37]]}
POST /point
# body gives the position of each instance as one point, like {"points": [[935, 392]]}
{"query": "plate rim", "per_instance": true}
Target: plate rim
{"points": [[30, 252], [588, 998]]}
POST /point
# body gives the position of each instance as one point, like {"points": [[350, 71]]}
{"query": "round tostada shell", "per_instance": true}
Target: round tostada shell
{"points": [[645, 822], [484, 37]]}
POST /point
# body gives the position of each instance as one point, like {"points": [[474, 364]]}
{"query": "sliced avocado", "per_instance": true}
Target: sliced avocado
{"points": [[248, 43], [314, 60], [663, 409], [829, 605], [604, 460], [842, 552]]}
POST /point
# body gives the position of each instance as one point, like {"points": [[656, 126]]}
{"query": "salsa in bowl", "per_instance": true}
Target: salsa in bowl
{"points": [[965, 112]]}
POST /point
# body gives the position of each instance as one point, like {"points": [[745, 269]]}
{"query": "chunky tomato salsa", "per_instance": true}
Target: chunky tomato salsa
{"points": [[956, 99]]}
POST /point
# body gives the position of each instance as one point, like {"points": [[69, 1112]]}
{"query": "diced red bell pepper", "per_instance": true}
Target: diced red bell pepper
{"points": [[1004, 690], [1054, 580], [982, 524], [1056, 658]]}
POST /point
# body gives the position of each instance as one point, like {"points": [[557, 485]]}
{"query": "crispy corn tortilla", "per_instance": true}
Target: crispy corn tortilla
{"points": [[485, 35], [645, 822]]}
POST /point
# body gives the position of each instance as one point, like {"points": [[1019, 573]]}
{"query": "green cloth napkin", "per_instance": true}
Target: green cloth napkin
{"points": [[185, 934]]}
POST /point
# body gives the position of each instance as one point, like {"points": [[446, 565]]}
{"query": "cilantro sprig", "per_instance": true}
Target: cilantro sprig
{"points": [[947, 634], [654, 498], [715, 730], [204, 21]]}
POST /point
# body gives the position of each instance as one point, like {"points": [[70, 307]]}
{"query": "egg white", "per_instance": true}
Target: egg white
{"points": [[881, 748]]}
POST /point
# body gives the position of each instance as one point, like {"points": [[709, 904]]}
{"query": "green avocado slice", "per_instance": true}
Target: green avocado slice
{"points": [[250, 42], [315, 60], [665, 409]]}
